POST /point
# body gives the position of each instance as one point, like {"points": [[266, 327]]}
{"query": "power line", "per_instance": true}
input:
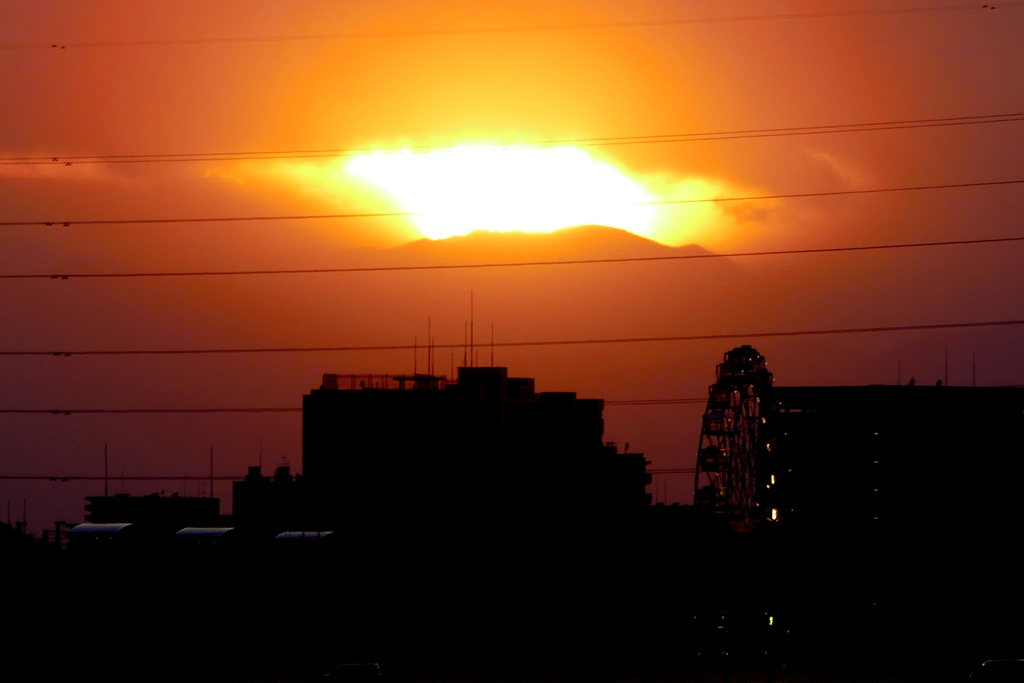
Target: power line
{"points": [[656, 402], [149, 411], [70, 160], [204, 219], [174, 411], [523, 344], [74, 477], [664, 202], [78, 477], [837, 193], [506, 29], [517, 264], [140, 411]]}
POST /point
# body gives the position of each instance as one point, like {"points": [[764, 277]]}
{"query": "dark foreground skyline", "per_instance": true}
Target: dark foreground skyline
{"points": [[854, 556], [146, 150]]}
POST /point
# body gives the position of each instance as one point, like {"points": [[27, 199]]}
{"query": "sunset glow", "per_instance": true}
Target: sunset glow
{"points": [[501, 189], [397, 331]]}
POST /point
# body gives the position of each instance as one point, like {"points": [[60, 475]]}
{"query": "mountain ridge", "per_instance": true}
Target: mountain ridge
{"points": [[579, 242]]}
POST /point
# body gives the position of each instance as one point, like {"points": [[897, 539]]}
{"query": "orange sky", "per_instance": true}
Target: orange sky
{"points": [[393, 92]]}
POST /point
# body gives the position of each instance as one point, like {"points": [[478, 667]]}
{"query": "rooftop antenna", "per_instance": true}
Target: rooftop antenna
{"points": [[471, 360], [106, 472]]}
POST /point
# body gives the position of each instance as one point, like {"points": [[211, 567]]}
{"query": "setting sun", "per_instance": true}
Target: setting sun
{"points": [[497, 188], [454, 191]]}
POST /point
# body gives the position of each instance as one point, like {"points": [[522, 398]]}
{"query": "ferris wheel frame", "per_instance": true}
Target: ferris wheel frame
{"points": [[729, 451]]}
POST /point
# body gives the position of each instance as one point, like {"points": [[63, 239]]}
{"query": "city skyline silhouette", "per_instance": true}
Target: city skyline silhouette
{"points": [[207, 212]]}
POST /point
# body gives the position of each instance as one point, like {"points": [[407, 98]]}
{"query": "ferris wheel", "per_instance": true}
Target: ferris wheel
{"points": [[730, 439]]}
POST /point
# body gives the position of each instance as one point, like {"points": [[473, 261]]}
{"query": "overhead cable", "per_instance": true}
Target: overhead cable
{"points": [[393, 214], [140, 411], [71, 160], [175, 411], [204, 219], [164, 477], [835, 14], [517, 264], [521, 344], [78, 477]]}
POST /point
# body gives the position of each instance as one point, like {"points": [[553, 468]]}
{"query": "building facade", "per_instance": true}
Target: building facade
{"points": [[485, 450]]}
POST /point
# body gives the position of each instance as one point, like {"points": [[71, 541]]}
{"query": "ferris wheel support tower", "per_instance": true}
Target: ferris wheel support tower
{"points": [[731, 439]]}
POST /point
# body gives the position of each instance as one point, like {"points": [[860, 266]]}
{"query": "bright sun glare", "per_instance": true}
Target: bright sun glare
{"points": [[501, 189]]}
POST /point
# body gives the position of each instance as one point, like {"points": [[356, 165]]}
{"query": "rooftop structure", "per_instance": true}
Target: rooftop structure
{"points": [[153, 510], [395, 450]]}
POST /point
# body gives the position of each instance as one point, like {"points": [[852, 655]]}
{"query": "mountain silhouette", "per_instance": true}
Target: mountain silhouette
{"points": [[580, 242]]}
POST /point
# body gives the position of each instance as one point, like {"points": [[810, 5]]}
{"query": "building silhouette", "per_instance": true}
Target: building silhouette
{"points": [[882, 518], [872, 460], [910, 461], [154, 511], [275, 503], [488, 450], [480, 522], [421, 457]]}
